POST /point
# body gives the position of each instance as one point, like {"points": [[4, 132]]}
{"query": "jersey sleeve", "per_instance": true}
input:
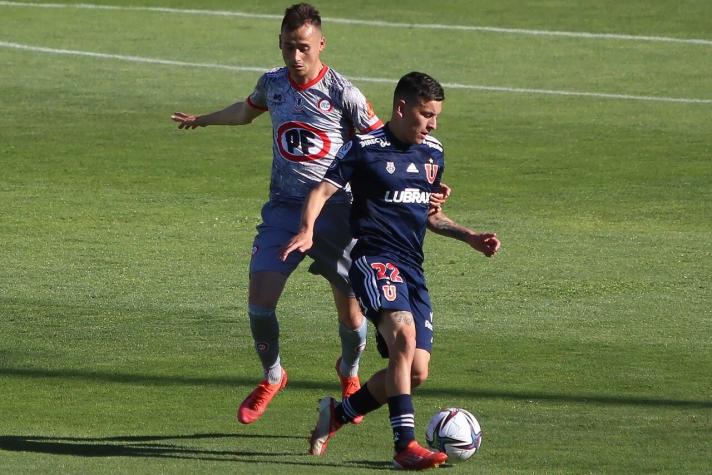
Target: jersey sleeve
{"points": [[360, 110], [258, 98], [342, 167]]}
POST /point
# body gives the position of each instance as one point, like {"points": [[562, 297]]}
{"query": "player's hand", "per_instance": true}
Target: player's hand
{"points": [[486, 243], [301, 242], [187, 121], [437, 200]]}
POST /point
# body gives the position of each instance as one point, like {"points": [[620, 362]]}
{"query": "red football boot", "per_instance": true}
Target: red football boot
{"points": [[349, 385], [326, 426], [415, 457], [256, 403]]}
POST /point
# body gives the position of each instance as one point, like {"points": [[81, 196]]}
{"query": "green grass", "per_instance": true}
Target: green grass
{"points": [[584, 347]]}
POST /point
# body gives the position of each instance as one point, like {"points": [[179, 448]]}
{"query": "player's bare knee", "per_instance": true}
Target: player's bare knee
{"points": [[418, 376], [404, 343], [351, 320], [419, 371]]}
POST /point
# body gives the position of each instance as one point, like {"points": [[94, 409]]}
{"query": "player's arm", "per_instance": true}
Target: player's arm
{"points": [[303, 240], [239, 113], [486, 243]]}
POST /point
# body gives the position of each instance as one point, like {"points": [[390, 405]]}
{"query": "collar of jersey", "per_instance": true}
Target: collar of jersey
{"points": [[397, 143], [302, 87]]}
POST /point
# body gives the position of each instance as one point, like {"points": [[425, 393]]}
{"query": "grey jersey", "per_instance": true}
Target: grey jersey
{"points": [[310, 123]]}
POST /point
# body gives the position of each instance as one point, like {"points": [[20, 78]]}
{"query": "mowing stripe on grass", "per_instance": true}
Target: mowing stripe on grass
{"points": [[168, 62], [385, 24]]}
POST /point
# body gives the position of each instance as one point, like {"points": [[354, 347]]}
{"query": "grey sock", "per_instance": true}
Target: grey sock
{"points": [[353, 343], [265, 333]]}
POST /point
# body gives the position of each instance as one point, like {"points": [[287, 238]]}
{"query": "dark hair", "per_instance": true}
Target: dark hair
{"points": [[298, 15], [416, 86]]}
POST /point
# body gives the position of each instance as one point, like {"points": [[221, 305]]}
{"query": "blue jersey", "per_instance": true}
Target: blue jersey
{"points": [[391, 183]]}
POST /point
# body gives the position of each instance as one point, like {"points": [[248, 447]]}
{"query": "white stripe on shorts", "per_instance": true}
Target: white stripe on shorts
{"points": [[369, 281]]}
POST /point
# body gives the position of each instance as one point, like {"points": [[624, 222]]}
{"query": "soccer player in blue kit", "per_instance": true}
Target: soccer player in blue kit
{"points": [[314, 110], [392, 172]]}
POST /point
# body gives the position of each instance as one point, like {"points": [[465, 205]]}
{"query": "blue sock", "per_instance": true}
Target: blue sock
{"points": [[402, 420], [359, 403]]}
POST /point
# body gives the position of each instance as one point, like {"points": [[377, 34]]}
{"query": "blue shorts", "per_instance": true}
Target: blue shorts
{"points": [[332, 242], [382, 284]]}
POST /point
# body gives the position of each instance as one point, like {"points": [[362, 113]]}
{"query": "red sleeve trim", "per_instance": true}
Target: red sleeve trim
{"points": [[375, 126], [253, 105]]}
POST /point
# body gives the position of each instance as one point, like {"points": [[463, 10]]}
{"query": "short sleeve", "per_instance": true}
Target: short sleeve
{"points": [[258, 98], [360, 110], [342, 167]]}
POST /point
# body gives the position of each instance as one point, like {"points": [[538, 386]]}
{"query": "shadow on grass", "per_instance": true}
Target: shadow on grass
{"points": [[158, 446], [160, 380]]}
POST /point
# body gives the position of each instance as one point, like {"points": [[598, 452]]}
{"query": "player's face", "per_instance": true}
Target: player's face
{"points": [[301, 50], [418, 120]]}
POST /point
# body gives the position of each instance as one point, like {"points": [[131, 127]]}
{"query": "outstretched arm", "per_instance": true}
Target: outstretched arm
{"points": [[486, 243], [239, 113], [302, 241]]}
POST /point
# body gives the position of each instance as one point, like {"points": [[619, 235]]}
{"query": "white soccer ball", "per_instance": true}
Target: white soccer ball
{"points": [[456, 432]]}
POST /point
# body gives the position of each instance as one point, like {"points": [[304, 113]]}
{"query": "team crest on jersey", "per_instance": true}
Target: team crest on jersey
{"points": [[431, 171], [299, 104], [301, 142], [325, 105], [390, 167]]}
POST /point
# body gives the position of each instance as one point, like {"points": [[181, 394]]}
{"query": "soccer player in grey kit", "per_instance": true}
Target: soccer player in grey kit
{"points": [[392, 172], [314, 110]]}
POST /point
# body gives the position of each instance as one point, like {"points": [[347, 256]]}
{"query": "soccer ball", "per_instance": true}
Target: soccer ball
{"points": [[456, 432]]}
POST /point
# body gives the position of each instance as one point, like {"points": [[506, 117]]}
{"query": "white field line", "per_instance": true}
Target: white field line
{"points": [[385, 24], [168, 62]]}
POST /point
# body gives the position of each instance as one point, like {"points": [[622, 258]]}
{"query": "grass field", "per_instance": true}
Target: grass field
{"points": [[584, 347]]}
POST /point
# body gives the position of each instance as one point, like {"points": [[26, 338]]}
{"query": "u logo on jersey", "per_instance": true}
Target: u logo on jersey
{"points": [[389, 292], [301, 142], [431, 171]]}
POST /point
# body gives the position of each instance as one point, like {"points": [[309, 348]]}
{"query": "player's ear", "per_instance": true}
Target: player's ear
{"points": [[399, 108], [280, 40], [322, 43]]}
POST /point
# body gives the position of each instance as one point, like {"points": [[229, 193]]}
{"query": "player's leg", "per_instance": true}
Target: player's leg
{"points": [[398, 331], [353, 329], [423, 316], [264, 293], [268, 275], [390, 385], [419, 370], [384, 296], [407, 365], [418, 374], [332, 414], [331, 253]]}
